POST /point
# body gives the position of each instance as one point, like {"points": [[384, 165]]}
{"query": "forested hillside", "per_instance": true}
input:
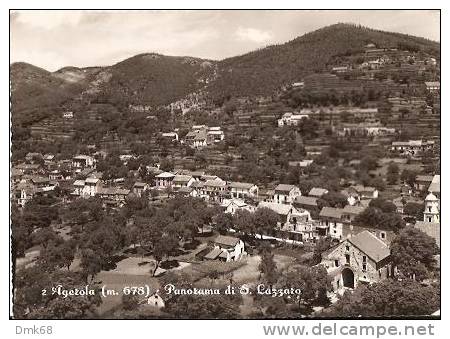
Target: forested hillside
{"points": [[155, 79], [263, 71]]}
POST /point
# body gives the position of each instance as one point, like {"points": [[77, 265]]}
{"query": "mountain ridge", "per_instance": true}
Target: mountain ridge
{"points": [[156, 79]]}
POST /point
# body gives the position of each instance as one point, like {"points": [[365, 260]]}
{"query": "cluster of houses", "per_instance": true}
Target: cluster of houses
{"points": [[41, 175], [412, 147], [291, 119], [365, 257], [199, 136], [297, 213], [361, 254], [433, 86]]}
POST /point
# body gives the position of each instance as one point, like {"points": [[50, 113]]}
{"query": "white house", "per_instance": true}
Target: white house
{"points": [[360, 192], [412, 147], [81, 162], [215, 134], [43, 183], [79, 187], [68, 115], [155, 300], [287, 214], [91, 186], [197, 137], [286, 194], [226, 248], [139, 188], [242, 190], [180, 180], [293, 223], [433, 86], [215, 189], [164, 180], [187, 191], [233, 205], [330, 222], [172, 136], [349, 213], [291, 119], [113, 195]]}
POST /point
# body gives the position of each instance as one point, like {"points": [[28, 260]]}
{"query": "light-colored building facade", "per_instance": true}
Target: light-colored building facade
{"points": [[286, 194], [362, 258]]}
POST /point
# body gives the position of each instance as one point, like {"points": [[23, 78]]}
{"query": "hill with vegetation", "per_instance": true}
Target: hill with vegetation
{"points": [[35, 92], [263, 71], [149, 79], [154, 79]]}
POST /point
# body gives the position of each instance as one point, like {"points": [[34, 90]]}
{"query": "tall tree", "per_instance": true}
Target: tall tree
{"points": [[224, 222], [267, 265], [312, 281], [392, 173], [243, 222], [265, 221], [413, 253], [388, 298], [162, 249]]}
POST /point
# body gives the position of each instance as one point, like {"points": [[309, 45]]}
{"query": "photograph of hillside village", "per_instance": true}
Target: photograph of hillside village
{"points": [[296, 179]]}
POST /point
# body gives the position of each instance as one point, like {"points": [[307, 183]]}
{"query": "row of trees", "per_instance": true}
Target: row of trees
{"points": [[263, 222]]}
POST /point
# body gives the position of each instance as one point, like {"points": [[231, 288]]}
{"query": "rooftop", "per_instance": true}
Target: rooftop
{"points": [[244, 185], [226, 240], [215, 183], [371, 245], [182, 178], [82, 157], [317, 192], [348, 209], [361, 188], [237, 202], [435, 186], [281, 209], [331, 212], [302, 200], [284, 188], [428, 178], [165, 175]]}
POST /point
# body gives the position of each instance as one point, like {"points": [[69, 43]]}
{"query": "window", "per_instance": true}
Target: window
{"points": [[347, 259], [383, 235], [364, 267], [364, 259], [336, 263], [347, 248], [429, 209]]}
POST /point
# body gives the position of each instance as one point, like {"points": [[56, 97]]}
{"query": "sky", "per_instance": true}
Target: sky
{"points": [[55, 39]]}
